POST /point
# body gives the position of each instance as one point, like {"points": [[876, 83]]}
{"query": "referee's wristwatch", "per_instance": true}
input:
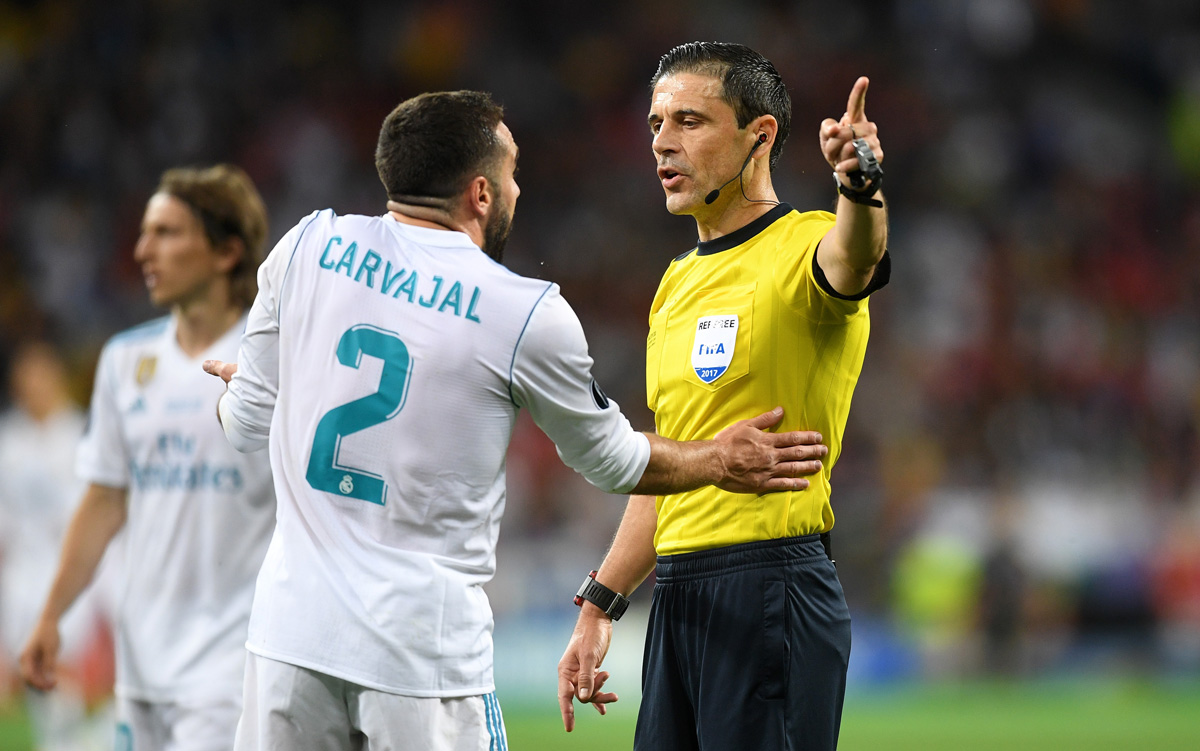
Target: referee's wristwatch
{"points": [[612, 603]]}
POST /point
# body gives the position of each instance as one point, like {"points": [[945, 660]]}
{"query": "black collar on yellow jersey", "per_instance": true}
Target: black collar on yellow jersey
{"points": [[739, 236]]}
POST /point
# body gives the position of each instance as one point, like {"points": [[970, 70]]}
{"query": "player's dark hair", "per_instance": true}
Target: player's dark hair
{"points": [[432, 145], [749, 82], [229, 206]]}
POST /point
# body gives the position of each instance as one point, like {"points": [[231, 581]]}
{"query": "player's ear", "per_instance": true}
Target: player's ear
{"points": [[231, 250], [480, 196]]}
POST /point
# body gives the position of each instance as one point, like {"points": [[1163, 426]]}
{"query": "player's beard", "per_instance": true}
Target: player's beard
{"points": [[495, 233]]}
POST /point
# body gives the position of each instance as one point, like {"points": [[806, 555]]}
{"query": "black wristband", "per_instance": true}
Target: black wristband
{"points": [[862, 196], [612, 603]]}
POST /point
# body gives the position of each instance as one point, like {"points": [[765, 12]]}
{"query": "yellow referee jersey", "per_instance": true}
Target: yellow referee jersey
{"points": [[739, 325]]}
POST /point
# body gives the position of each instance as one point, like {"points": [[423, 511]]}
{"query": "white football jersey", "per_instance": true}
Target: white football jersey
{"points": [[38, 495], [199, 518], [388, 363]]}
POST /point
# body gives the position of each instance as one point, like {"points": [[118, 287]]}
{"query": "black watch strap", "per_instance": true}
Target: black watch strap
{"points": [[862, 196], [612, 603]]}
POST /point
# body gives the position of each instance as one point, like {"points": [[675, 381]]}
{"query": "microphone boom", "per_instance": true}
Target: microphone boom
{"points": [[715, 193]]}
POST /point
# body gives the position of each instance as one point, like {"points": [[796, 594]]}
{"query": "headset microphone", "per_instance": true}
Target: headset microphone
{"points": [[716, 192]]}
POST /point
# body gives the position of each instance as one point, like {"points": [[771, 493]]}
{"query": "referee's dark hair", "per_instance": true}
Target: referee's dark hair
{"points": [[749, 82], [432, 145], [224, 198]]}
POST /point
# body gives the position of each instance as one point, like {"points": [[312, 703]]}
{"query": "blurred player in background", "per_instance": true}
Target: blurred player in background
{"points": [[387, 358], [197, 515], [38, 493], [749, 631]]}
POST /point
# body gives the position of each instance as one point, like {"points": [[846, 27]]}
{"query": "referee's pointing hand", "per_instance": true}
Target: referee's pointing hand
{"points": [[837, 136]]}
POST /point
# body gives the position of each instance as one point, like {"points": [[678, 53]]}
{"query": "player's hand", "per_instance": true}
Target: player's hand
{"points": [[837, 139], [223, 370], [757, 461], [579, 674], [39, 659]]}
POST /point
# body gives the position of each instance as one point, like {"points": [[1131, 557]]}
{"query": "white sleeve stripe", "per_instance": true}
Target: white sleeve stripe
{"points": [[292, 257], [517, 345]]}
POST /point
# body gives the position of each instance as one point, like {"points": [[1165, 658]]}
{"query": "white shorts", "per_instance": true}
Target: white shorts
{"points": [[167, 726], [289, 707], [61, 721]]}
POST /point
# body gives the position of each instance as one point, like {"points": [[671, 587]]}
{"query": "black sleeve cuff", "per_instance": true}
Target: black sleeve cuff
{"points": [[883, 274]]}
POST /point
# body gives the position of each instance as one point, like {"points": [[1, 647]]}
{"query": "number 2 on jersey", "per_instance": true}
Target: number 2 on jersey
{"points": [[324, 470]]}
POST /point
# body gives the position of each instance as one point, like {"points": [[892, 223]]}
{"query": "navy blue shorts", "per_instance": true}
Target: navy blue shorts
{"points": [[747, 649]]}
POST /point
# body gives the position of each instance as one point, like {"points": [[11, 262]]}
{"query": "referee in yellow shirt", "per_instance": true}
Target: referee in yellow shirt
{"points": [[749, 631]]}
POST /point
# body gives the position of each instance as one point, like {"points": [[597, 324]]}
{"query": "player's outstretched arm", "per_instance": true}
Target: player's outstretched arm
{"points": [[551, 377], [743, 458], [100, 515], [627, 564]]}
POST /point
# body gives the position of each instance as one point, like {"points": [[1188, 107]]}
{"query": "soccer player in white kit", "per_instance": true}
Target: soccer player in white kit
{"points": [[38, 492], [196, 514], [386, 359]]}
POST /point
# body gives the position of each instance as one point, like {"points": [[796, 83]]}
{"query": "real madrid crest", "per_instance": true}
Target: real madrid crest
{"points": [[144, 373], [712, 349]]}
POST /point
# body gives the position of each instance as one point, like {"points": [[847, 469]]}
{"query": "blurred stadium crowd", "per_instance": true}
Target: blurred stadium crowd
{"points": [[1020, 488]]}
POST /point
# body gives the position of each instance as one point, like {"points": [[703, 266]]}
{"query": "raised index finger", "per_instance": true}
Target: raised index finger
{"points": [[856, 108]]}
